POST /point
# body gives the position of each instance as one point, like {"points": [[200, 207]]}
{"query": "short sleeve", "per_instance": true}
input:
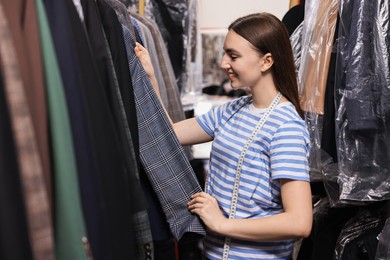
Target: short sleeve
{"points": [[289, 152], [214, 118], [208, 121]]}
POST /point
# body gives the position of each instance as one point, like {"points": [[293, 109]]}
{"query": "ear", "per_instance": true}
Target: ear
{"points": [[268, 61]]}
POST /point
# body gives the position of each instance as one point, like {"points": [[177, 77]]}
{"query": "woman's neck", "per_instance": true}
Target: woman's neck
{"points": [[263, 94]]}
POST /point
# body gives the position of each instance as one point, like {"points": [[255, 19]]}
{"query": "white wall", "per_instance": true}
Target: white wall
{"points": [[218, 14]]}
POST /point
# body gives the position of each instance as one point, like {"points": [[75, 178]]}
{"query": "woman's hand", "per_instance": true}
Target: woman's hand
{"points": [[143, 55], [206, 207]]}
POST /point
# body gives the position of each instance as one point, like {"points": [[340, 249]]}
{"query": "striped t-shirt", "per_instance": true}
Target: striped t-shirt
{"points": [[280, 150]]}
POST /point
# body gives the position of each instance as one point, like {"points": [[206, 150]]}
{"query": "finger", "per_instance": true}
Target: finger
{"points": [[139, 48], [193, 208], [198, 199], [194, 201], [199, 194], [194, 211]]}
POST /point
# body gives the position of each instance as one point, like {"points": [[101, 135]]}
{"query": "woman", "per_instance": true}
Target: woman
{"points": [[257, 198]]}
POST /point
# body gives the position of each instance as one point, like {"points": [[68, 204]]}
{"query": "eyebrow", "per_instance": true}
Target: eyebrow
{"points": [[230, 50]]}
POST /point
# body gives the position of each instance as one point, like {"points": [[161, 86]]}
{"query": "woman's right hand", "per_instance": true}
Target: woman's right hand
{"points": [[143, 55]]}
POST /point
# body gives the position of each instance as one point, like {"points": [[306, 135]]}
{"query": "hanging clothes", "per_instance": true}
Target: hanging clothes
{"points": [[358, 238], [294, 16], [40, 229], [317, 34], [362, 92], [351, 138], [70, 69], [162, 156], [148, 42], [115, 43], [23, 24], [312, 43], [174, 105], [94, 126], [162, 62], [69, 220], [383, 249], [172, 17], [14, 237], [107, 177]]}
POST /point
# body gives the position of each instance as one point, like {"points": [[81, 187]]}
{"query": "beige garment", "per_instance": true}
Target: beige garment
{"points": [[32, 178], [316, 47]]}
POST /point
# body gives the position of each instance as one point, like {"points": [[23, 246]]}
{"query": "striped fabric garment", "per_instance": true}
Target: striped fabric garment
{"points": [[280, 150]]}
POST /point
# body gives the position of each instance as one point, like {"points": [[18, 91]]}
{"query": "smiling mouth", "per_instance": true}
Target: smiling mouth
{"points": [[231, 75]]}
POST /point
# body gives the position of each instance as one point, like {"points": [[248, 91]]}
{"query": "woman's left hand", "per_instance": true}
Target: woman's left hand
{"points": [[206, 207]]}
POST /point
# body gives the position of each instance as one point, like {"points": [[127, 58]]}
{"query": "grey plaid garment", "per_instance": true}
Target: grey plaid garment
{"points": [[169, 90], [162, 156], [175, 108]]}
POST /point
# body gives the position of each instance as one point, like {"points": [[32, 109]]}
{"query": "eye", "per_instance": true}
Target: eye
{"points": [[233, 57]]}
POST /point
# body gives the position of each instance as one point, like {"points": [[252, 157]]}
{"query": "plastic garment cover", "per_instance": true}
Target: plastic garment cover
{"points": [[296, 39], [173, 20], [172, 17], [191, 78], [362, 101], [357, 239], [312, 44], [359, 173], [317, 41], [383, 249]]}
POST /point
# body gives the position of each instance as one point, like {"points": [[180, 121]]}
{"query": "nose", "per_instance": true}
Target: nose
{"points": [[224, 63]]}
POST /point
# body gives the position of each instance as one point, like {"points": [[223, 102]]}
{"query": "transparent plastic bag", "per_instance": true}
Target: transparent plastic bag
{"points": [[359, 172], [361, 230], [362, 101], [317, 41], [383, 249], [312, 44]]}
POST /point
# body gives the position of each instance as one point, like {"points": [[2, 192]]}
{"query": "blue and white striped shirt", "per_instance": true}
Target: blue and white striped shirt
{"points": [[280, 150]]}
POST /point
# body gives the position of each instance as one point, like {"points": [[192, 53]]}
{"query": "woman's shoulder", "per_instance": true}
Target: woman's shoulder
{"points": [[287, 114], [238, 103]]}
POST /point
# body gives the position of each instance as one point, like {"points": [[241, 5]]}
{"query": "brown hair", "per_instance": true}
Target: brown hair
{"points": [[269, 35]]}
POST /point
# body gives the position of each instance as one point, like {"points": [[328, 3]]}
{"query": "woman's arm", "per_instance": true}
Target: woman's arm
{"points": [[188, 131], [294, 222]]}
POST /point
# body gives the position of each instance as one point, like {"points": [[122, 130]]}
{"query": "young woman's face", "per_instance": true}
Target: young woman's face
{"points": [[241, 62]]}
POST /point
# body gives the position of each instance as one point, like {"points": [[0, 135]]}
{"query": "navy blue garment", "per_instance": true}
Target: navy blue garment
{"points": [[63, 21], [107, 206], [362, 104], [362, 79]]}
